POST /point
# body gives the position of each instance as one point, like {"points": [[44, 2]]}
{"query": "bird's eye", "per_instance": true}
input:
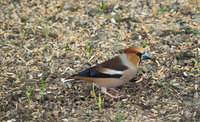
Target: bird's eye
{"points": [[138, 54]]}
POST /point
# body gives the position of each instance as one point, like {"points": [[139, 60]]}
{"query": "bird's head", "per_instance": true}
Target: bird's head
{"points": [[136, 54]]}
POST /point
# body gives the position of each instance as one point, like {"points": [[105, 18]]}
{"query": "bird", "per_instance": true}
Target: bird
{"points": [[114, 72]]}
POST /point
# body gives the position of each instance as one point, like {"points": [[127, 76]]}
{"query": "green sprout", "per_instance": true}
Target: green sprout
{"points": [[97, 99], [46, 32], [119, 15], [166, 87], [89, 48], [102, 5], [68, 48], [99, 103], [29, 91], [3, 110], [192, 31], [187, 103], [42, 86], [143, 45], [24, 20], [3, 107], [139, 72], [189, 40], [118, 112], [80, 26], [133, 28], [20, 75], [162, 10], [116, 32], [197, 60]]}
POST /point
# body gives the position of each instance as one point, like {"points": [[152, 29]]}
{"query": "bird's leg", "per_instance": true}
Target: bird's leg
{"points": [[104, 90], [112, 96], [112, 89]]}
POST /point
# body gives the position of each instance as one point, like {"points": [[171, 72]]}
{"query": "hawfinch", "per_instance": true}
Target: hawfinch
{"points": [[114, 72]]}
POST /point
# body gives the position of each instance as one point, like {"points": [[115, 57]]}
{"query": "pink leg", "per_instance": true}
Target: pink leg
{"points": [[114, 97], [114, 90]]}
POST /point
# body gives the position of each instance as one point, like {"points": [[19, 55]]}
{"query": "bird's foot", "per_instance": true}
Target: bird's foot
{"points": [[112, 89], [112, 96]]}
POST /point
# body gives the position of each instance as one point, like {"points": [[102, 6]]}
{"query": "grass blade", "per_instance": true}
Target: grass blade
{"points": [[118, 112]]}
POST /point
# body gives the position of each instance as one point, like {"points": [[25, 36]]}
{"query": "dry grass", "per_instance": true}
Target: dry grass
{"points": [[43, 41]]}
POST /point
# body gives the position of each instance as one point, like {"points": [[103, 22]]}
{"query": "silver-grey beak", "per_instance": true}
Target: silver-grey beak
{"points": [[145, 56]]}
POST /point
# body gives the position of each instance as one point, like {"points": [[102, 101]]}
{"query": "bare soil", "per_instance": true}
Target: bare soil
{"points": [[44, 41]]}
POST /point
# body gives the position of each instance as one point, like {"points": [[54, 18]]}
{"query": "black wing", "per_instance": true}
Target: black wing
{"points": [[93, 72]]}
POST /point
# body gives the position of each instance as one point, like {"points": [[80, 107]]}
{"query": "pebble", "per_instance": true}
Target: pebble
{"points": [[185, 74], [113, 20]]}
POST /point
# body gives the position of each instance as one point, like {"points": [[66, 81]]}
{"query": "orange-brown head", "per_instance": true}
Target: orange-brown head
{"points": [[134, 49], [136, 54]]}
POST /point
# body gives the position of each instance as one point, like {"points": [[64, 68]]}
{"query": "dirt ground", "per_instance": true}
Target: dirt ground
{"points": [[42, 41]]}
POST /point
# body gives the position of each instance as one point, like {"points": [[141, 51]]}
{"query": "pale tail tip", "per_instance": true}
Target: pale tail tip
{"points": [[66, 80]]}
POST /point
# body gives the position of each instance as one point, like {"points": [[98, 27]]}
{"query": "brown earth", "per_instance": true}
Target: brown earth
{"points": [[44, 41]]}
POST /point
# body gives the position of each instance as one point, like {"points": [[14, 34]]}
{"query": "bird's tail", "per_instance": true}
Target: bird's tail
{"points": [[73, 78], [66, 79], [81, 75]]}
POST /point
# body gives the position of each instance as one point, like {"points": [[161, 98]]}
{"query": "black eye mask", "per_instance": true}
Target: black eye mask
{"points": [[139, 54]]}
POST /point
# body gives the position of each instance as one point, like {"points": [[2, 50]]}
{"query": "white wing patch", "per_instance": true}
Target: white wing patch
{"points": [[113, 72]]}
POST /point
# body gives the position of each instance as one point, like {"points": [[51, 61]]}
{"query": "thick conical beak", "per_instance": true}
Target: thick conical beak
{"points": [[145, 56]]}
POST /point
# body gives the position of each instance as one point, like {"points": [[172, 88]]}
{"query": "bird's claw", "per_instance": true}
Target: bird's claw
{"points": [[112, 96], [112, 89]]}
